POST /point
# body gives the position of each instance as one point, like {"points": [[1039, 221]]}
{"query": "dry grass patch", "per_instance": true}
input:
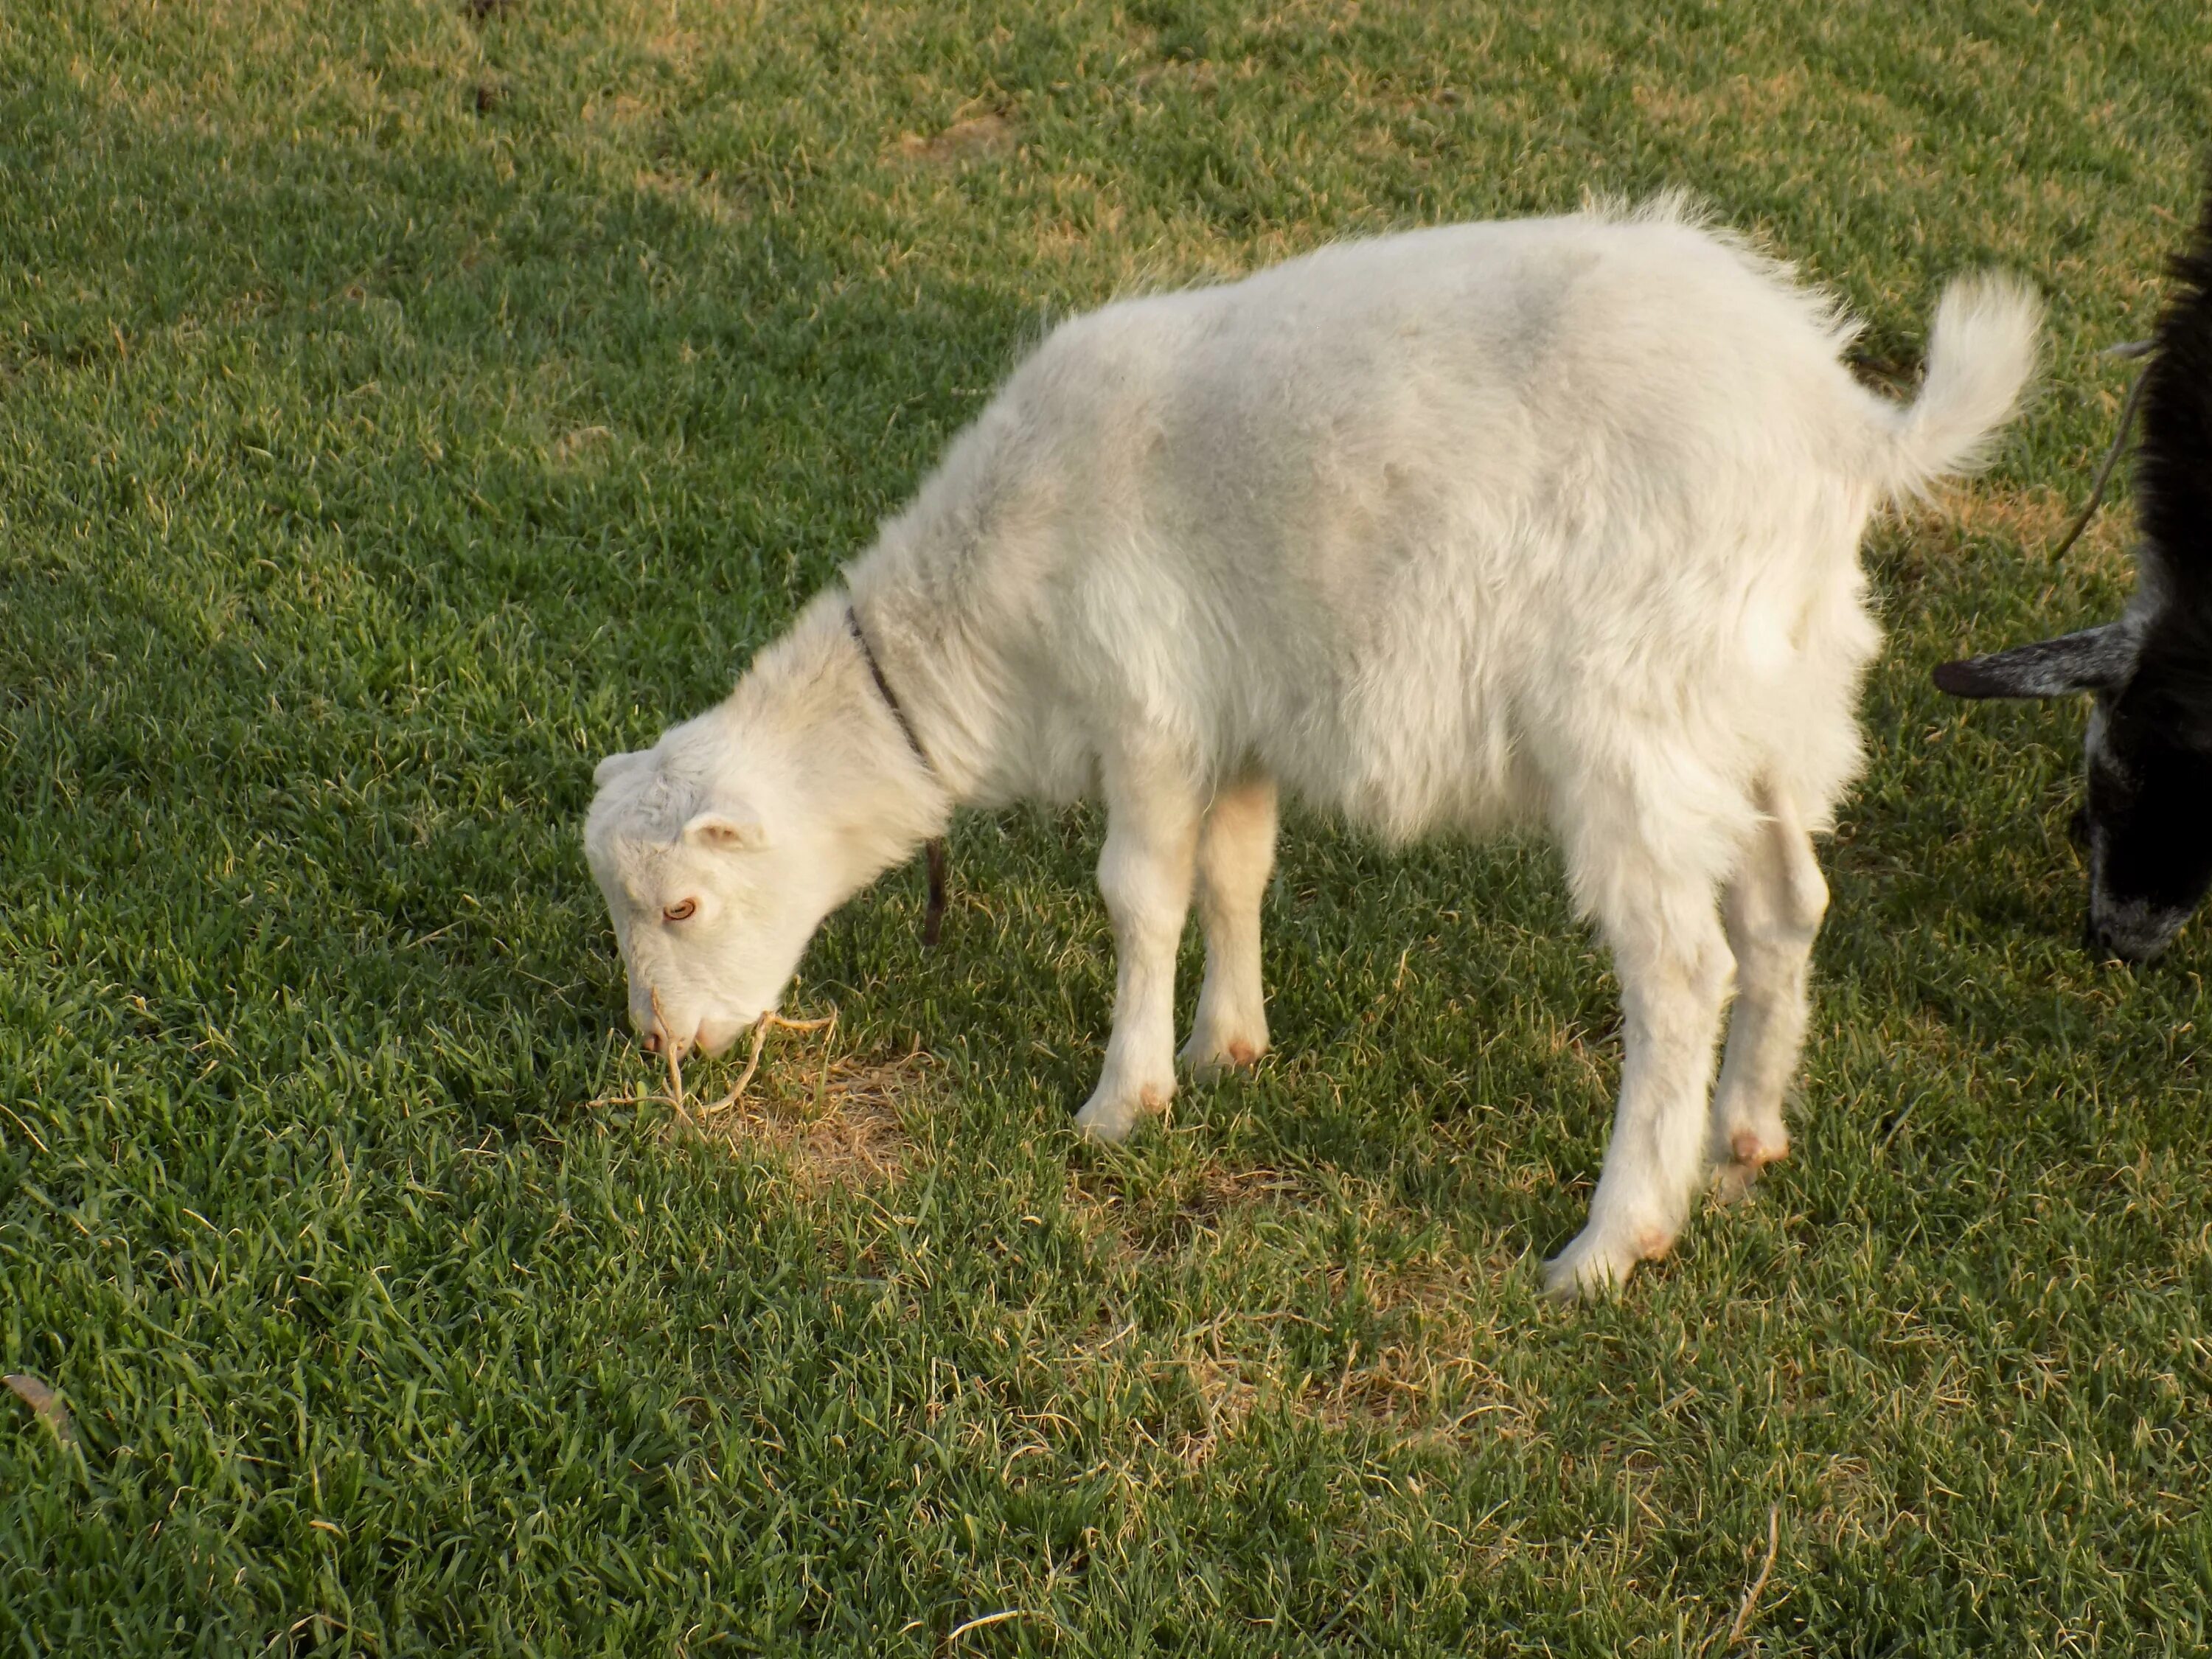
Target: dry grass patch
{"points": [[1428, 1382], [2034, 520], [575, 446], [1190, 1207], [1961, 524], [974, 138], [1858, 1508], [1741, 101], [831, 1119], [1187, 74], [618, 110], [704, 194], [1425, 1381], [1227, 1398], [839, 1120]]}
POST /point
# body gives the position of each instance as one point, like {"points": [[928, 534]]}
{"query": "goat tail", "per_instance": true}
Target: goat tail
{"points": [[1981, 352]]}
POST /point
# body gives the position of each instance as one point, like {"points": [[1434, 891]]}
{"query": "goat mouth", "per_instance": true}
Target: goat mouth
{"points": [[716, 1035], [2131, 932]]}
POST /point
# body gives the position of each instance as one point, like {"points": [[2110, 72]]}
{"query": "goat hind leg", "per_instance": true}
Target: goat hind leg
{"points": [[1235, 855], [1673, 962], [1771, 909]]}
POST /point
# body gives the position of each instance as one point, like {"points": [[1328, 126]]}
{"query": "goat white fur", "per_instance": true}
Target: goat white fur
{"points": [[1552, 521]]}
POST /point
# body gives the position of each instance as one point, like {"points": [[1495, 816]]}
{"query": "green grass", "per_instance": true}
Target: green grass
{"points": [[402, 407]]}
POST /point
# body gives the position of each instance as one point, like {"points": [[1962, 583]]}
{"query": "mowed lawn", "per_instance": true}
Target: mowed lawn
{"points": [[402, 405]]}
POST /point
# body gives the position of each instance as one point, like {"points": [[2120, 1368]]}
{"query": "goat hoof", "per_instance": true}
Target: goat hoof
{"points": [[1211, 1058], [1586, 1270], [1759, 1148], [1749, 1152], [1569, 1279], [1602, 1260], [1115, 1117], [1106, 1121]]}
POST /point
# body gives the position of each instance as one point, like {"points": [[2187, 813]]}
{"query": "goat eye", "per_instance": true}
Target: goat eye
{"points": [[680, 912]]}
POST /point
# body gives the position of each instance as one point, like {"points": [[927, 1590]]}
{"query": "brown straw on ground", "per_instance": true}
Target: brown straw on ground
{"points": [[675, 1095], [852, 1123], [752, 1060], [675, 1066], [1743, 1625]]}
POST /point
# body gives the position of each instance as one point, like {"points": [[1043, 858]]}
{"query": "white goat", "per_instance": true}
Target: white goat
{"points": [[1552, 521]]}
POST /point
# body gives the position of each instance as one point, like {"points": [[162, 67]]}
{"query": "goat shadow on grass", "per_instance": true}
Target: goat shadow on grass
{"points": [[1445, 1031]]}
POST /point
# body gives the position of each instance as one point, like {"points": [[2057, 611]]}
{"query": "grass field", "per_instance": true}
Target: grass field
{"points": [[401, 405]]}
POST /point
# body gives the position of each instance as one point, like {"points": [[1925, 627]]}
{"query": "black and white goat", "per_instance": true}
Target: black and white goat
{"points": [[2147, 826]]}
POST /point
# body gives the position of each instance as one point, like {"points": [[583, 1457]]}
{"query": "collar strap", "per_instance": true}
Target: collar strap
{"points": [[884, 688], [933, 920]]}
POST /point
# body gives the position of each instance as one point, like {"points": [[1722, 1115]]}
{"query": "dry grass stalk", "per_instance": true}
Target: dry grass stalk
{"points": [[1737, 1631], [851, 1122], [760, 1041], [675, 1066], [989, 1618]]}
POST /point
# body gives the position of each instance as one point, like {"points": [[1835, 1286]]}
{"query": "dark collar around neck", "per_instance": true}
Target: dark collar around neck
{"points": [[933, 920], [884, 688]]}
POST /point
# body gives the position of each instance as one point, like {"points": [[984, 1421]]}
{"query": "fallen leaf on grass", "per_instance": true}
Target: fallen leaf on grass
{"points": [[44, 1401]]}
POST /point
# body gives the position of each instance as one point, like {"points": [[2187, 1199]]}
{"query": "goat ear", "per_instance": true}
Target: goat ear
{"points": [[723, 834], [615, 765], [2092, 660]]}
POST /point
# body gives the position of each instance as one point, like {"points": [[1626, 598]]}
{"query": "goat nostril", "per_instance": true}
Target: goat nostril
{"points": [[652, 1043]]}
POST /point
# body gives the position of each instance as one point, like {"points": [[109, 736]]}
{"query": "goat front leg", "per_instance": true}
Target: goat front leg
{"points": [[1772, 910], [1235, 855], [1144, 872], [1675, 969]]}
